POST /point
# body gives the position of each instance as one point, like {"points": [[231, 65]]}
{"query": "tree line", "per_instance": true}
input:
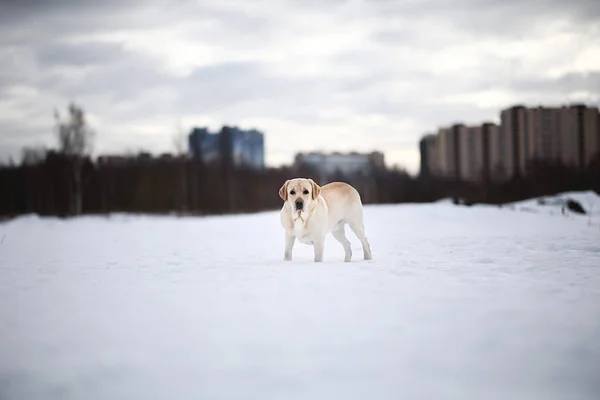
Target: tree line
{"points": [[66, 181]]}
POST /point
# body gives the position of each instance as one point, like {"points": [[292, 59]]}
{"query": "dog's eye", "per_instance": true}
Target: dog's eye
{"points": [[293, 192], [305, 191]]}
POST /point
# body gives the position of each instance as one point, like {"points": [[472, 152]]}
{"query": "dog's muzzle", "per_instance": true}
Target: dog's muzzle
{"points": [[299, 205]]}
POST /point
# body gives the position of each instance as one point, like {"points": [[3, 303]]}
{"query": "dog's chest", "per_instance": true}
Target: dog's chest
{"points": [[300, 232]]}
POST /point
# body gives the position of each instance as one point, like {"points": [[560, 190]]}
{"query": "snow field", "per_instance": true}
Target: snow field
{"points": [[458, 303]]}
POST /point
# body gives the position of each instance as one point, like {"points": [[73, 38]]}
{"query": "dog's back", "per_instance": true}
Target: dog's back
{"points": [[340, 193]]}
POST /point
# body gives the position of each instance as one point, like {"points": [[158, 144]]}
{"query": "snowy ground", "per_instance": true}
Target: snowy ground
{"points": [[458, 303], [553, 205]]}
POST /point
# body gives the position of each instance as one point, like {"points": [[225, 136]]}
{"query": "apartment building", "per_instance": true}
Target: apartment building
{"points": [[350, 163], [572, 136], [496, 148], [482, 148], [243, 148], [569, 135], [471, 144], [515, 138], [430, 158], [591, 135], [545, 133], [449, 150], [580, 135]]}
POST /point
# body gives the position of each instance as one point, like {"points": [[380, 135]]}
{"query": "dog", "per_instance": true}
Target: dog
{"points": [[310, 212]]}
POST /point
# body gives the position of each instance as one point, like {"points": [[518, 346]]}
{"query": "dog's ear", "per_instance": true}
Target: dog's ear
{"points": [[283, 191], [316, 189]]}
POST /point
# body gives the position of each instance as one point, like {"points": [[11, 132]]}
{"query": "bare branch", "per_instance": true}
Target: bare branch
{"points": [[33, 155], [179, 140], [74, 135]]}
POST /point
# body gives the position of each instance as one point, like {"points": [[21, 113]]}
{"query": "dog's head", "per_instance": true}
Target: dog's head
{"points": [[300, 193]]}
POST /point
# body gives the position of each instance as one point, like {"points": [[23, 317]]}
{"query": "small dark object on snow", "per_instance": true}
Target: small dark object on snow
{"points": [[575, 206]]}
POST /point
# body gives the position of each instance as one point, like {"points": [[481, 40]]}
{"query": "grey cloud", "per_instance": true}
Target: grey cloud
{"points": [[79, 54], [426, 111], [424, 107], [507, 18], [584, 9], [106, 69], [14, 138], [51, 20], [395, 36], [48, 21], [570, 82], [18, 66], [251, 86]]}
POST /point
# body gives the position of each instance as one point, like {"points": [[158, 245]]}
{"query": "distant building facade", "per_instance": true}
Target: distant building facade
{"points": [[546, 134], [566, 135], [495, 148], [513, 127], [347, 164], [449, 150], [591, 135], [471, 164], [241, 148], [580, 135], [428, 147]]}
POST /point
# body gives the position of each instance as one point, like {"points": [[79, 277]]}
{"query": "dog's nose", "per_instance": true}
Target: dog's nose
{"points": [[299, 204]]}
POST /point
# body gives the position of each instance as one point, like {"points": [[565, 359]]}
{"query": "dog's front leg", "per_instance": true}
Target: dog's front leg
{"points": [[319, 246], [289, 246]]}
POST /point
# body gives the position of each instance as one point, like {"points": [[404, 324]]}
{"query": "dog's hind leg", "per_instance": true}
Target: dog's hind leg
{"points": [[358, 227], [340, 236]]}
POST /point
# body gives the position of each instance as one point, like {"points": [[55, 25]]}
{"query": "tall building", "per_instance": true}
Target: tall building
{"points": [[487, 129], [428, 146], [572, 136], [241, 148], [580, 135], [514, 135], [496, 150], [481, 151], [450, 151], [544, 132], [472, 161], [591, 135], [526, 135]]}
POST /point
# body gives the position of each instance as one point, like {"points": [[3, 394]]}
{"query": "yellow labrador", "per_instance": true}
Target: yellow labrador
{"points": [[310, 212]]}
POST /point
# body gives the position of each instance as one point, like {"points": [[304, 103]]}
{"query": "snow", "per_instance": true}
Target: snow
{"points": [[459, 302], [589, 200]]}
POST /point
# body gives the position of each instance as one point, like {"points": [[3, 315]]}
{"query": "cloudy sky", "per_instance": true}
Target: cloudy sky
{"points": [[313, 75]]}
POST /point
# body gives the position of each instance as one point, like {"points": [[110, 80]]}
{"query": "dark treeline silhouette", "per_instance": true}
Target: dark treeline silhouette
{"points": [[164, 184], [543, 179], [177, 184]]}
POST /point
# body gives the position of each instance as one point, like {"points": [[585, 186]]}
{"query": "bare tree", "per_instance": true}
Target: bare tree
{"points": [[179, 144], [75, 142], [33, 155], [179, 140]]}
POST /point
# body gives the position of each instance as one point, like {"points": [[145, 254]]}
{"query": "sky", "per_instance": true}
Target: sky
{"points": [[325, 75]]}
